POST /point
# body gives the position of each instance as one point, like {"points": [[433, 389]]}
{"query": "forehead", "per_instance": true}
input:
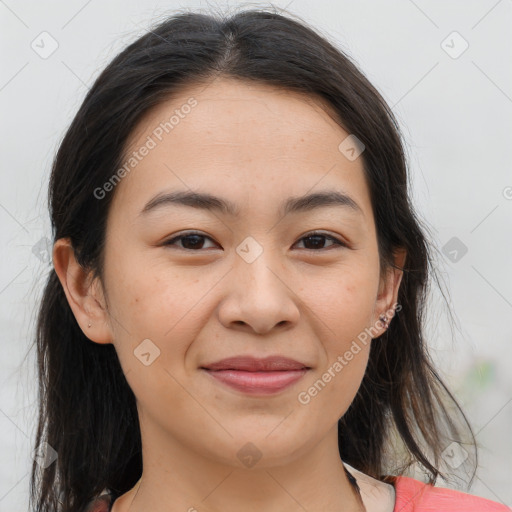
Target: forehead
{"points": [[240, 140]]}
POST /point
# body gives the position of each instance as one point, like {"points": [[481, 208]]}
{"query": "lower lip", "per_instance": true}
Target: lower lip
{"points": [[258, 383]]}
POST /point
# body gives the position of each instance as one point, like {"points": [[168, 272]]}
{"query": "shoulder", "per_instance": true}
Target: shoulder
{"points": [[415, 496], [99, 504]]}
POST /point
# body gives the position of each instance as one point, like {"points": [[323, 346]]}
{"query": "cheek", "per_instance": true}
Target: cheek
{"points": [[344, 300], [344, 304], [156, 321], [164, 305], [344, 310]]}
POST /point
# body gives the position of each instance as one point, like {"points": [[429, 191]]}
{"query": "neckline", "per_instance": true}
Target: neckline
{"points": [[392, 480]]}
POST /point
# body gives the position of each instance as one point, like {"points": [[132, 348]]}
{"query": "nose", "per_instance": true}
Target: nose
{"points": [[259, 297]]}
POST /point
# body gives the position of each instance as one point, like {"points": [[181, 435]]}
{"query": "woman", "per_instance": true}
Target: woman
{"points": [[234, 317]]}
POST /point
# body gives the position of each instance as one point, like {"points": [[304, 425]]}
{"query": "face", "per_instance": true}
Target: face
{"points": [[190, 283]]}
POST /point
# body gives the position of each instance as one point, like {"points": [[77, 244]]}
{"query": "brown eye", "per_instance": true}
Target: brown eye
{"points": [[316, 240], [194, 241], [191, 241]]}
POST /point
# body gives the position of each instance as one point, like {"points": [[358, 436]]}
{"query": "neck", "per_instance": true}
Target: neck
{"points": [[178, 479]]}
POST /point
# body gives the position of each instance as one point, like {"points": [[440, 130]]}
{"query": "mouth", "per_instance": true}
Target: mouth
{"points": [[257, 376]]}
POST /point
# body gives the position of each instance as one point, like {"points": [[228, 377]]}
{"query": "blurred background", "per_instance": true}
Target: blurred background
{"points": [[443, 67]]}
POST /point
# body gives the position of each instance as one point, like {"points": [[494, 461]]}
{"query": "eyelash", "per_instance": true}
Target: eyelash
{"points": [[337, 242]]}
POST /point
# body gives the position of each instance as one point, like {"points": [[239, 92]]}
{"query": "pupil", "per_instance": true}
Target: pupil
{"points": [[318, 240], [194, 245]]}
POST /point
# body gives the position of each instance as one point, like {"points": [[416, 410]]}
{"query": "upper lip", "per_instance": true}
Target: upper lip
{"points": [[254, 364]]}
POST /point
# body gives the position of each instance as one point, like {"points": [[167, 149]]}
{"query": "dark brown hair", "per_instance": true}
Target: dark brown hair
{"points": [[87, 411]]}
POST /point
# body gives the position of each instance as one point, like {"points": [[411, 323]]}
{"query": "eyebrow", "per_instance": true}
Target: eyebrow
{"points": [[205, 201]]}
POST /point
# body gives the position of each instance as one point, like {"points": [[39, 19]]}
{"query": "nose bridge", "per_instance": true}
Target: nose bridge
{"points": [[255, 263], [258, 295]]}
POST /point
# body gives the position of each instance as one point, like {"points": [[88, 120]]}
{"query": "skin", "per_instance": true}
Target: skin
{"points": [[256, 146]]}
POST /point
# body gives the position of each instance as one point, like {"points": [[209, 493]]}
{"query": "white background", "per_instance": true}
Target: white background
{"points": [[456, 116]]}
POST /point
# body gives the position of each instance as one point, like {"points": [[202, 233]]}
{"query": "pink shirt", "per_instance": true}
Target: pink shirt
{"points": [[415, 496], [411, 496]]}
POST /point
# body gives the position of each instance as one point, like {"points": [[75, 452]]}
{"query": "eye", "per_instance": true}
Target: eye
{"points": [[316, 240], [191, 240], [194, 240]]}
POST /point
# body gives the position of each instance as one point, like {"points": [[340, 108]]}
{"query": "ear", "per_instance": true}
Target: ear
{"points": [[84, 294], [387, 296]]}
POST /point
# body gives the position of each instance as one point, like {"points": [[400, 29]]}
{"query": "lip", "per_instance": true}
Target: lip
{"points": [[258, 383], [255, 376], [254, 364]]}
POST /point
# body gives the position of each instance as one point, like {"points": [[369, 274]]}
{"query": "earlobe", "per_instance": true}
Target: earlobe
{"points": [[83, 292]]}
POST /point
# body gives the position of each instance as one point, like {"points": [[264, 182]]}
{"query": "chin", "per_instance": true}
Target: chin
{"points": [[258, 448]]}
